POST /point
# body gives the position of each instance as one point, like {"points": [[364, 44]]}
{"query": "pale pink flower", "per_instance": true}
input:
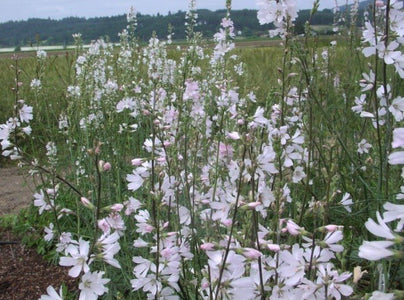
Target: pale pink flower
{"points": [[397, 108], [396, 158], [65, 241], [143, 266], [234, 135], [103, 225], [52, 294], [368, 81], [92, 286], [254, 205], [78, 258], [293, 228], [116, 222], [292, 266], [347, 202], [360, 102], [87, 203], [49, 232], [139, 243], [388, 54], [107, 166], [137, 161], [332, 238], [381, 229], [148, 283], [135, 181], [142, 218], [298, 174], [227, 222], [398, 138], [375, 250], [266, 160], [25, 113], [225, 151], [364, 146], [117, 207], [334, 281], [274, 247], [378, 295], [132, 205], [110, 247], [191, 90], [394, 212], [41, 202], [258, 119], [251, 253], [331, 227], [126, 103]]}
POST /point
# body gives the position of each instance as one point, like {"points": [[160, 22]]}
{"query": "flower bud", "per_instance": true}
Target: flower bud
{"points": [[251, 253], [137, 162], [86, 203], [274, 247], [106, 166], [207, 246], [117, 207]]}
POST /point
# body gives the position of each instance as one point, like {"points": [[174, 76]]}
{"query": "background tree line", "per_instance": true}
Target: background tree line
{"points": [[59, 32]]}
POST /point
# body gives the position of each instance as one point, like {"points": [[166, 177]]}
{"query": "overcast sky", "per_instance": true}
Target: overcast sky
{"points": [[58, 9]]}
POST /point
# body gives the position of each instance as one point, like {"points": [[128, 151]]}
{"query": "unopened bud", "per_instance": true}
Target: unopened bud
{"points": [[86, 203], [137, 162], [207, 246]]}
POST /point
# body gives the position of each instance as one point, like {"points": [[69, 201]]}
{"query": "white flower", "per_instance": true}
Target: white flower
{"points": [[381, 229], [364, 146], [65, 240], [234, 135], [332, 238], [78, 258], [397, 108], [331, 277], [41, 54], [26, 113], [388, 54], [396, 158], [398, 138], [132, 205], [347, 202], [375, 250], [110, 247], [126, 103], [49, 233], [135, 181], [394, 212], [41, 203], [292, 265], [377, 295], [368, 81], [298, 174], [92, 285], [35, 83], [52, 294]]}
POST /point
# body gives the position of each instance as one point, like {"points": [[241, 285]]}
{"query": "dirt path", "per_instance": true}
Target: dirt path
{"points": [[16, 190]]}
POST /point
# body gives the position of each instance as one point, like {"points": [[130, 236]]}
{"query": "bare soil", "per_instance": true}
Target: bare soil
{"points": [[24, 275], [16, 190]]}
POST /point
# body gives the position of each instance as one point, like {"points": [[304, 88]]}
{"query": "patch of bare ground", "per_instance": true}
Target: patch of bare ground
{"points": [[24, 274], [16, 190]]}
